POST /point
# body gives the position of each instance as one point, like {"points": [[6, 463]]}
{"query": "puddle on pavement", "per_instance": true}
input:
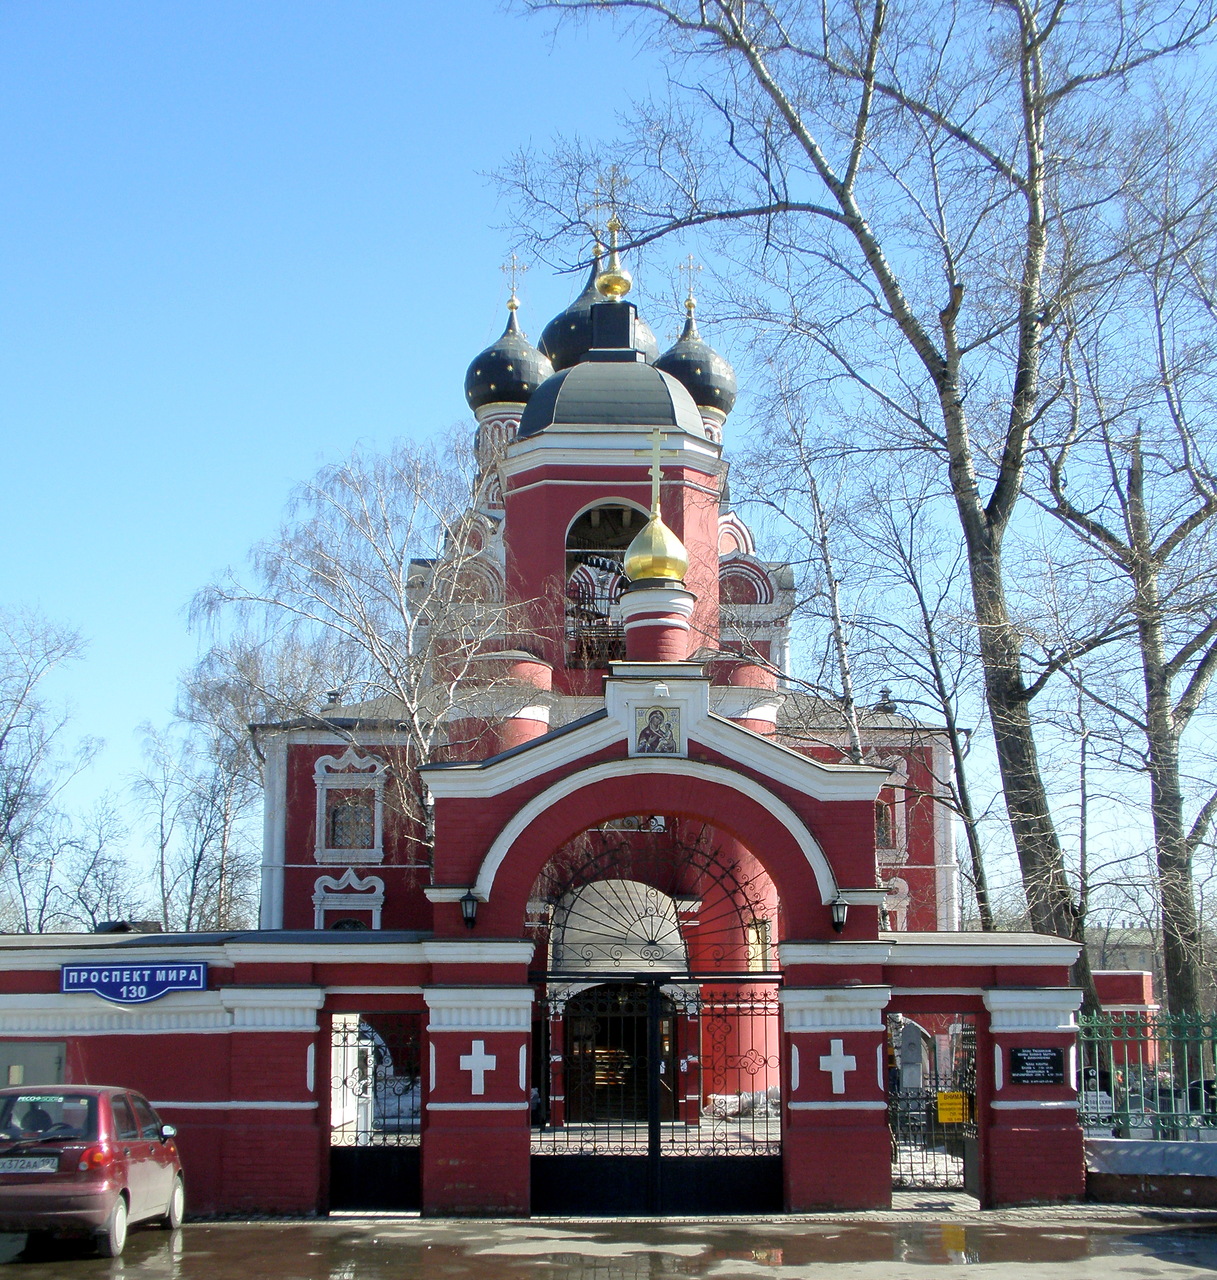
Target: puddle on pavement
{"points": [[387, 1249]]}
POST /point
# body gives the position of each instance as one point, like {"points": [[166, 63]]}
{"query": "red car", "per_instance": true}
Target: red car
{"points": [[86, 1160]]}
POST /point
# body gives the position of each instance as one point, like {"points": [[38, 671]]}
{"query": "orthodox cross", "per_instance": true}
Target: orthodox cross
{"points": [[687, 269], [836, 1063], [478, 1063], [513, 270], [655, 453]]}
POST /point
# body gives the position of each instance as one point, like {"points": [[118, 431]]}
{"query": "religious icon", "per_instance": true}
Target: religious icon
{"points": [[658, 730]]}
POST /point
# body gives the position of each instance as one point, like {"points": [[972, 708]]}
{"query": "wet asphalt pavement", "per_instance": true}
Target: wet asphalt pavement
{"points": [[409, 1249]]}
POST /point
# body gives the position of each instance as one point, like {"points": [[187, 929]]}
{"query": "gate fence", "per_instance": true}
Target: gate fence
{"points": [[931, 1098], [711, 1058], [375, 1109], [1148, 1075]]}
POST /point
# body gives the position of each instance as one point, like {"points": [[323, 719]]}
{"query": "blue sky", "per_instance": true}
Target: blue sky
{"points": [[236, 238]]}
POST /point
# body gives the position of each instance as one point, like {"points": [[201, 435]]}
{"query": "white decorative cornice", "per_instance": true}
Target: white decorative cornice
{"points": [[230, 1009], [1015, 1009], [473, 951], [834, 953], [479, 1008], [834, 1008], [1032, 950]]}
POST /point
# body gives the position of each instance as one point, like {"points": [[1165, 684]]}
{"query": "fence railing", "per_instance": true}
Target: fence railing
{"points": [[1148, 1075]]}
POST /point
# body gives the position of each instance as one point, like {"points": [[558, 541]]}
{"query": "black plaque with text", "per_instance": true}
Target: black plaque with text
{"points": [[1037, 1066]]}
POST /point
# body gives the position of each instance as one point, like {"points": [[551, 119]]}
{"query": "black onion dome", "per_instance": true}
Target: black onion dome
{"points": [[707, 377], [567, 338], [509, 371]]}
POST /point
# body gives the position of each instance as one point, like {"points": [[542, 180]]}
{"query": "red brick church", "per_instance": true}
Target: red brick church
{"points": [[664, 948]]}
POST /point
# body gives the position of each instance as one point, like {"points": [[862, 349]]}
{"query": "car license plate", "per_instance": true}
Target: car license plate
{"points": [[29, 1164]]}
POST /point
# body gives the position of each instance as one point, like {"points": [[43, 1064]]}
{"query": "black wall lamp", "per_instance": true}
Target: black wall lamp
{"points": [[469, 909], [839, 909]]}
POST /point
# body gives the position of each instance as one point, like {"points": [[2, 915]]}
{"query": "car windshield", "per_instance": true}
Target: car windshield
{"points": [[50, 1115]]}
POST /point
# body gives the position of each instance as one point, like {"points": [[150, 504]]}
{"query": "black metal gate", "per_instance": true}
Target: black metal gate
{"points": [[375, 1105], [657, 1094], [931, 1099]]}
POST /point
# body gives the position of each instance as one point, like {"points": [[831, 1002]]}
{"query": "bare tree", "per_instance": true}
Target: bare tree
{"points": [[1134, 477], [36, 763], [196, 801], [893, 183], [386, 573]]}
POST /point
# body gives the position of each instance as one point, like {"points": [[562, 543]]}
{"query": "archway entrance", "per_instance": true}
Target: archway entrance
{"points": [[657, 1075]]}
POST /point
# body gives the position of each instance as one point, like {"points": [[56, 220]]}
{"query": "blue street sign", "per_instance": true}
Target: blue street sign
{"points": [[133, 983]]}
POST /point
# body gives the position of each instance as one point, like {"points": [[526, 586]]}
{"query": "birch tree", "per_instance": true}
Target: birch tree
{"points": [[384, 574]]}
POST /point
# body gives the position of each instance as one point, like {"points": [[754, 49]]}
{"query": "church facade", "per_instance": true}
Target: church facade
{"points": [[651, 940]]}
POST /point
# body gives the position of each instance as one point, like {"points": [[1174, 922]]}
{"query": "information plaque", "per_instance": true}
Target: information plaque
{"points": [[1037, 1066]]}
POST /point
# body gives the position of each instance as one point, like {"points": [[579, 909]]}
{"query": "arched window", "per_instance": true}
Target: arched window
{"points": [[595, 548], [884, 827]]}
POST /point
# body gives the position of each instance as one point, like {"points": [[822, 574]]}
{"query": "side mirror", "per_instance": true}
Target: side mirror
{"points": [[168, 1131]]}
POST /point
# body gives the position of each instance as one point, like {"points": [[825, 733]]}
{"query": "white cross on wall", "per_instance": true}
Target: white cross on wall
{"points": [[479, 1062], [838, 1062]]}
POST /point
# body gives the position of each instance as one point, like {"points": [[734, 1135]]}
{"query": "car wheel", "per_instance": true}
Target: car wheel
{"points": [[114, 1233], [177, 1206]]}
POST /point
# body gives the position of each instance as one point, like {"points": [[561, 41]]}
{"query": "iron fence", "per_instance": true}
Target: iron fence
{"points": [[375, 1079], [660, 1069], [931, 1097], [1148, 1075]]}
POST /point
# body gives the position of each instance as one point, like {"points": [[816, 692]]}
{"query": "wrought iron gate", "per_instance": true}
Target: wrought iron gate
{"points": [[657, 1094], [375, 1104], [931, 1099]]}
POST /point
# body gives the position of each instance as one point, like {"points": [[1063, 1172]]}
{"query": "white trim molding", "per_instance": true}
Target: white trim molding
{"points": [[1037, 1104], [833, 953], [229, 1009], [471, 951], [351, 771], [479, 1008], [837, 1106], [834, 1008], [478, 1106], [347, 893], [238, 1106], [1019, 1009], [639, 766]]}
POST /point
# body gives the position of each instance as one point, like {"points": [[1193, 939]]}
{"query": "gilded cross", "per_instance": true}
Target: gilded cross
{"points": [[655, 452], [513, 270], [687, 270]]}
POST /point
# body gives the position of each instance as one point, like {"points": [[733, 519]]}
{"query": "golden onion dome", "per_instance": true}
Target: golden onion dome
{"points": [[614, 281], [656, 553]]}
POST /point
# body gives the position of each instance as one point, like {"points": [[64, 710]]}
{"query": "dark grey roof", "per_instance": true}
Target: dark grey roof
{"points": [[611, 394]]}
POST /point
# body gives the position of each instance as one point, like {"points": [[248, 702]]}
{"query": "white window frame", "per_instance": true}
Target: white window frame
{"points": [[351, 772], [347, 893]]}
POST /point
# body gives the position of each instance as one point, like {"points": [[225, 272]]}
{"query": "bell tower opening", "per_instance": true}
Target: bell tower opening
{"points": [[595, 551]]}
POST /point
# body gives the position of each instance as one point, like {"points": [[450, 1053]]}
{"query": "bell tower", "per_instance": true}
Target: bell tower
{"points": [[593, 441]]}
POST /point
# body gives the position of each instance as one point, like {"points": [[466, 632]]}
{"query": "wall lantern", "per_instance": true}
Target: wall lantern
{"points": [[469, 909], [840, 909]]}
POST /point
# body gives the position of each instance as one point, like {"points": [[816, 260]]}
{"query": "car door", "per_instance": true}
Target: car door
{"points": [[135, 1150], [160, 1159]]}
